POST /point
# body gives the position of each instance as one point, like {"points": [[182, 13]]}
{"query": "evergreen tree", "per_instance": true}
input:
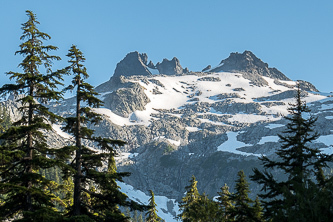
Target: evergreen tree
{"points": [[140, 219], [96, 193], [192, 195], [295, 197], [242, 210], [224, 202], [24, 151], [151, 215], [205, 210], [258, 211]]}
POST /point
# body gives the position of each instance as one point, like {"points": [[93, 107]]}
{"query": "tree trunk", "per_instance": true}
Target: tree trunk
{"points": [[78, 164]]}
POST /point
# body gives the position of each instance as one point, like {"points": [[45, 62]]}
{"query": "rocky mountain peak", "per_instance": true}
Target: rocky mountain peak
{"points": [[134, 63], [247, 62], [170, 67]]}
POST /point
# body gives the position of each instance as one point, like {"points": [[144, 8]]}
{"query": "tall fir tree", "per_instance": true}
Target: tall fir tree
{"points": [[151, 215], [295, 198], [24, 151], [96, 193], [242, 210], [192, 195], [225, 204]]}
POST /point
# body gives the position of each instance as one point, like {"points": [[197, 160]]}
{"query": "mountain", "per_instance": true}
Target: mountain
{"points": [[209, 124]]}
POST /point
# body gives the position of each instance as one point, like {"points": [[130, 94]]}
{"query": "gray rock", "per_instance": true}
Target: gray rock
{"points": [[151, 65], [283, 95], [207, 68], [238, 89], [126, 100], [247, 62], [270, 104], [169, 67], [212, 79], [157, 82], [133, 64], [307, 86], [227, 96], [228, 106]]}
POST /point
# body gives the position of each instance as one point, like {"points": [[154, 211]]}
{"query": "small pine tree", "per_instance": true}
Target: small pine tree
{"points": [[242, 210], [151, 215], [140, 219], [96, 193], [224, 202], [296, 197], [192, 195], [258, 211], [24, 151]]}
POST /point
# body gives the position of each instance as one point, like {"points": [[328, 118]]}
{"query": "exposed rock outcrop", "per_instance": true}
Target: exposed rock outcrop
{"points": [[207, 68], [126, 100], [133, 64], [307, 86], [284, 95], [170, 67], [247, 62], [151, 65]]}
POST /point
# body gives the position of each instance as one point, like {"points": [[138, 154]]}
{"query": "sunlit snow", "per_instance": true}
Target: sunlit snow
{"points": [[267, 139], [192, 129], [252, 118], [232, 144], [274, 125], [61, 133], [161, 201], [174, 142], [116, 119]]}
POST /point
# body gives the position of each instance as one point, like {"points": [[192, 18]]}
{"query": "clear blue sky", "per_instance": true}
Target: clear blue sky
{"points": [[294, 36]]}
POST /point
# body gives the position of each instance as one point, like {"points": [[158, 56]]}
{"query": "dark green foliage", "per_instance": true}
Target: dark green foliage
{"points": [[298, 196], [242, 210], [96, 193], [151, 215], [62, 189], [258, 211], [24, 151], [224, 202], [192, 195], [204, 210], [196, 207]]}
